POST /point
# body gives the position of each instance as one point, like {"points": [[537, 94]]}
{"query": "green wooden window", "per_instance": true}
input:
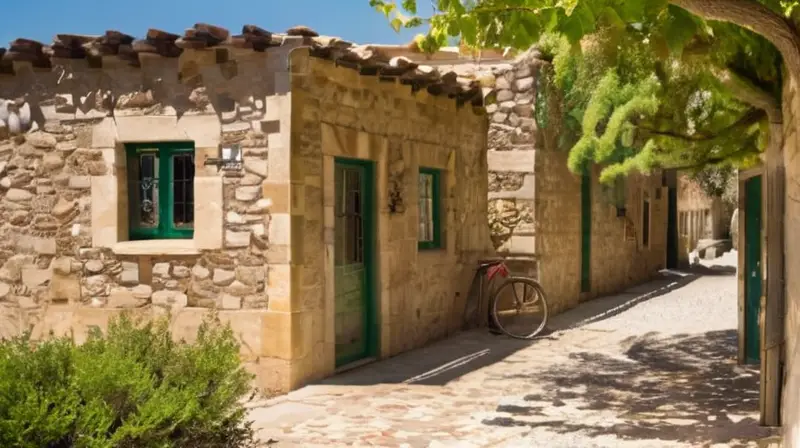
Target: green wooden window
{"points": [[161, 190], [430, 206]]}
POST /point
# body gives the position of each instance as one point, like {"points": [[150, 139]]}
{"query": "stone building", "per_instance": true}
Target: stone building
{"points": [[328, 199], [700, 217], [580, 239]]}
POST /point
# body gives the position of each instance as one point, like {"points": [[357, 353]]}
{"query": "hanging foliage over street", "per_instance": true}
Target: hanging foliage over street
{"points": [[643, 84]]}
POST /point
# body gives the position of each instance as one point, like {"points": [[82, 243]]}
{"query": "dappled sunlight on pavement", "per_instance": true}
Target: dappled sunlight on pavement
{"points": [[653, 367]]}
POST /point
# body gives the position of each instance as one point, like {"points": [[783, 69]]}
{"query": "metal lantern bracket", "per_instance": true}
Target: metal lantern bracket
{"points": [[230, 158]]}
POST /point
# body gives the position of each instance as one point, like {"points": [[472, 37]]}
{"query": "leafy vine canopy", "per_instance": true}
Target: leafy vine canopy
{"points": [[641, 84]]}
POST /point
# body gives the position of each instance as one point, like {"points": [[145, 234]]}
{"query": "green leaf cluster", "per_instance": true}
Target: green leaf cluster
{"points": [[633, 110], [131, 387]]}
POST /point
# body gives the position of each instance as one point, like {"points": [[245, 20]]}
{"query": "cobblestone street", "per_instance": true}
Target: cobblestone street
{"points": [[652, 367]]}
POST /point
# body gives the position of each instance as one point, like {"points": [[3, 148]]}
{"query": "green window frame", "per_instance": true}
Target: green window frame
{"points": [[155, 212], [429, 218]]}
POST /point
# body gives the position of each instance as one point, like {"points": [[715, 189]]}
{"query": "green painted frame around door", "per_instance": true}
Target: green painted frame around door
{"points": [[753, 282], [355, 301]]}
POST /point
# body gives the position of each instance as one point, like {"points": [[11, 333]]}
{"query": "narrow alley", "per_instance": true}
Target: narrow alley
{"points": [[652, 367]]}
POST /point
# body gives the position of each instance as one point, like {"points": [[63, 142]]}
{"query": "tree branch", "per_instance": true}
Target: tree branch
{"points": [[749, 93], [750, 118], [710, 160], [738, 84], [757, 17]]}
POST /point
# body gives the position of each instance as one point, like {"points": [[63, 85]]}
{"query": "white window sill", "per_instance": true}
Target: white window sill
{"points": [[156, 247]]}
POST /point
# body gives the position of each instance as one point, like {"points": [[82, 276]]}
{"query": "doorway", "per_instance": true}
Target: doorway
{"points": [[672, 228], [355, 315], [752, 268], [586, 233]]}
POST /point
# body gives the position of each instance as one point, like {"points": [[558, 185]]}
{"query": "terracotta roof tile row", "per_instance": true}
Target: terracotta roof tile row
{"points": [[367, 59]]}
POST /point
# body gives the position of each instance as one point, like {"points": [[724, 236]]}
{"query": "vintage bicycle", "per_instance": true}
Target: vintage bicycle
{"points": [[517, 306]]}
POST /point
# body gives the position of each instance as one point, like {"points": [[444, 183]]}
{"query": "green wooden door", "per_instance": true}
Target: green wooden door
{"points": [[586, 233], [353, 252], [752, 268]]}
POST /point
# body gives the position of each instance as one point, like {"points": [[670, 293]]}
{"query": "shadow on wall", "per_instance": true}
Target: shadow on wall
{"points": [[686, 389]]}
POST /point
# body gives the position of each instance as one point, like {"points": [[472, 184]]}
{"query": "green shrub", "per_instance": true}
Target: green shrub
{"points": [[132, 387]]}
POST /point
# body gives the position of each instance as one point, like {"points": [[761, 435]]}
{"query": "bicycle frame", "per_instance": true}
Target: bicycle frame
{"points": [[486, 274]]}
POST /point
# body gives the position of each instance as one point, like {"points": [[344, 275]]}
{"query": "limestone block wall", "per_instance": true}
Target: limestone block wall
{"points": [[66, 259], [620, 259], [337, 113], [558, 242], [699, 216], [791, 392]]}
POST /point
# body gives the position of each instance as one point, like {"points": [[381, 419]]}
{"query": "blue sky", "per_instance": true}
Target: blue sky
{"points": [[42, 19]]}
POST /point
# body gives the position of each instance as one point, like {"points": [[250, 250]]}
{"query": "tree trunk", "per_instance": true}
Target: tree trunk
{"points": [[756, 17]]}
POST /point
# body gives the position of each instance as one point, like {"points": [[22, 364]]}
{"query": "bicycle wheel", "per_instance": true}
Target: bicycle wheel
{"points": [[519, 308]]}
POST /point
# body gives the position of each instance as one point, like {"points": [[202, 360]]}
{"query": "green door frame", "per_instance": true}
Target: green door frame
{"points": [[586, 233], [753, 281], [371, 329], [672, 228]]}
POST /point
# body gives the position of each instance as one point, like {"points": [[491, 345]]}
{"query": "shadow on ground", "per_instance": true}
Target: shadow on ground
{"points": [[683, 388], [444, 361], [716, 269], [436, 364], [603, 308]]}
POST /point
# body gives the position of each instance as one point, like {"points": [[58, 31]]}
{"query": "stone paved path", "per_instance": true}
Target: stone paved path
{"points": [[653, 367]]}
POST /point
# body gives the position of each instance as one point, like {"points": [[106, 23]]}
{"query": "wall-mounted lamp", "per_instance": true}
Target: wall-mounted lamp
{"points": [[230, 158]]}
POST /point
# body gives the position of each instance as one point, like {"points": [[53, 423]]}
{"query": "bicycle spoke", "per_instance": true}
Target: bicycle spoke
{"points": [[517, 301], [519, 314]]}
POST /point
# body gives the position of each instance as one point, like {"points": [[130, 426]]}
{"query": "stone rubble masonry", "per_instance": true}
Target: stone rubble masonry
{"points": [[534, 204], [263, 240], [65, 262]]}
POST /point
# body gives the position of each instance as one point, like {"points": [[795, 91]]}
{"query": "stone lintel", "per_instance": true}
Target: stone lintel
{"points": [[511, 161]]}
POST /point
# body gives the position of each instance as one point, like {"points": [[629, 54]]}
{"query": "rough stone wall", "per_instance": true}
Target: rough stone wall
{"points": [[337, 113], [65, 259], [512, 143]]}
